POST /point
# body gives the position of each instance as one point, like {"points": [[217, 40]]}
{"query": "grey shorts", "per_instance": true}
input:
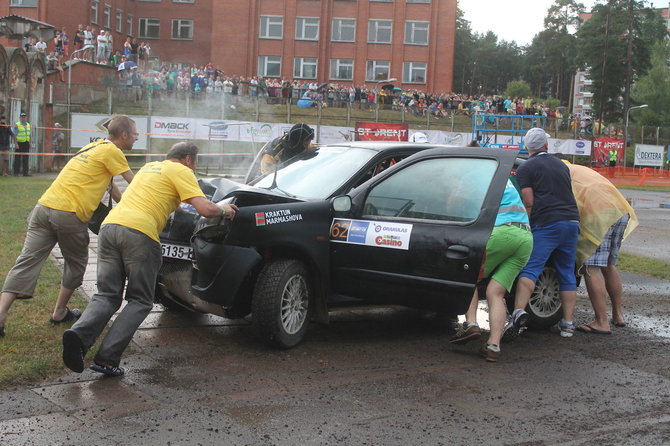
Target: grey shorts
{"points": [[607, 253], [46, 228]]}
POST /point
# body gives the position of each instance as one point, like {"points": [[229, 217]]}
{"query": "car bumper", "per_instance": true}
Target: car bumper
{"points": [[220, 271]]}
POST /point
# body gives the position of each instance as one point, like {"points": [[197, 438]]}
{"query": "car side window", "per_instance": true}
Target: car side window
{"points": [[446, 189]]}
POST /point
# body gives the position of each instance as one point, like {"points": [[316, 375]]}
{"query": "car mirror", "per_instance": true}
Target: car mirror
{"points": [[342, 203]]}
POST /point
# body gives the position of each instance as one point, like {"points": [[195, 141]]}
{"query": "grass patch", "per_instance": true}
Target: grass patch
{"points": [[31, 349], [647, 188], [644, 265]]}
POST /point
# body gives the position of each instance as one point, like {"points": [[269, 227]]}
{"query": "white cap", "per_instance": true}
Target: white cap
{"points": [[418, 137], [535, 138]]}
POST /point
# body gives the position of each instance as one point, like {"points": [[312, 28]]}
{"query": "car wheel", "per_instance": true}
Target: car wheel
{"points": [[281, 305], [544, 307]]}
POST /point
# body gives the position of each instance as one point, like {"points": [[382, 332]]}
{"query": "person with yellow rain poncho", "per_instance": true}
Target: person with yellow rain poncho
{"points": [[605, 219]]}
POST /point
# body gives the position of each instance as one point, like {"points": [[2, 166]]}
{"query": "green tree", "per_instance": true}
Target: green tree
{"points": [[517, 89], [463, 57], [653, 89], [614, 45]]}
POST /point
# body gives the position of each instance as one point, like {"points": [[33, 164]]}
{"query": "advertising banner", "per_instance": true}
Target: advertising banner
{"points": [[172, 128], [570, 146], [88, 127], [377, 131], [601, 148], [647, 155]]}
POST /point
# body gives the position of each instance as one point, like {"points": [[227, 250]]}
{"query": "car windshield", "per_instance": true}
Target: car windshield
{"points": [[320, 175]]}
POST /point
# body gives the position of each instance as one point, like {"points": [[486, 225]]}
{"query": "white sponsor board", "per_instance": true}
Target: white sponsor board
{"points": [[647, 155], [371, 233], [570, 146], [88, 127]]}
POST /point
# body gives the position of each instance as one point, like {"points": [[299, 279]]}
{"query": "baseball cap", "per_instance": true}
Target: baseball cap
{"points": [[23, 114], [418, 137], [535, 138]]}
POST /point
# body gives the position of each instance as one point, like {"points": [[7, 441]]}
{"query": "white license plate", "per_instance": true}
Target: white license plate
{"points": [[177, 251]]}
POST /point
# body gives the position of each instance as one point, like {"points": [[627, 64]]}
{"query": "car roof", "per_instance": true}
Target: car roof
{"points": [[381, 146]]}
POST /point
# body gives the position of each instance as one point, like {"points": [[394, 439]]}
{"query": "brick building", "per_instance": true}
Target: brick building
{"points": [[344, 41]]}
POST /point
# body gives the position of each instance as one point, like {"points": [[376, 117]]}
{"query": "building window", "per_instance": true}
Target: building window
{"points": [[150, 28], [414, 73], [94, 11], [269, 66], [129, 24], [304, 68], [379, 31], [24, 3], [385, 1], [307, 28], [416, 33], [119, 21], [272, 27], [377, 70], [342, 69], [418, 1], [107, 16], [182, 29], [344, 30], [183, 1]]}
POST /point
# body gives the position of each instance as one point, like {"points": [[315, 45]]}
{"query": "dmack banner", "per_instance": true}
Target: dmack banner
{"points": [[600, 154], [378, 131]]}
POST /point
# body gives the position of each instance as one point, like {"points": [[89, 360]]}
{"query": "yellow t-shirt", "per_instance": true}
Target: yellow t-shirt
{"points": [[82, 182], [155, 192]]}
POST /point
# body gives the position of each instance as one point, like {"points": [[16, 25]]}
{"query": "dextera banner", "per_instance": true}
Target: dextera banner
{"points": [[377, 131], [647, 155]]}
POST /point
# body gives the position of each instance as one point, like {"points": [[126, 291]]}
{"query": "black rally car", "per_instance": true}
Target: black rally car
{"points": [[382, 223]]}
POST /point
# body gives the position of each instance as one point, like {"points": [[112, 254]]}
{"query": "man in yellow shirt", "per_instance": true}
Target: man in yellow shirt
{"points": [[129, 247], [61, 214]]}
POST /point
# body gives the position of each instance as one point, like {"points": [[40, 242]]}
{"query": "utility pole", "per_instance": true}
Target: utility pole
{"points": [[629, 60], [604, 65]]}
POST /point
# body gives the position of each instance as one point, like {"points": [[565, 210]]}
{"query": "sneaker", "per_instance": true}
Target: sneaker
{"points": [[515, 324], [487, 351], [465, 334], [566, 330]]}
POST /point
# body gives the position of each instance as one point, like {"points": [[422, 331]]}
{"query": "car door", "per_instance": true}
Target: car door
{"points": [[416, 235]]}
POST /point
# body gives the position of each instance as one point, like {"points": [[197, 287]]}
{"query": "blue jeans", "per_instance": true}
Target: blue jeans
{"points": [[559, 241]]}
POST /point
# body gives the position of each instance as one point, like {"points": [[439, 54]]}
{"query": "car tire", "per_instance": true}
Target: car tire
{"points": [[545, 307], [281, 305]]}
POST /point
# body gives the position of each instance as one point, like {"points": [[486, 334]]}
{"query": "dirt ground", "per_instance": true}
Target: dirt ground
{"points": [[377, 377]]}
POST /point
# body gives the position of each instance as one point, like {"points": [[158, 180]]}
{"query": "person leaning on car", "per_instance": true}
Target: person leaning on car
{"points": [[280, 150], [61, 214], [546, 191], [507, 252], [129, 247], [606, 219]]}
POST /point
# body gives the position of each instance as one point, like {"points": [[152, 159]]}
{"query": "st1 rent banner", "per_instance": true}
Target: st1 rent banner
{"points": [[601, 148], [88, 127], [648, 155], [377, 131]]}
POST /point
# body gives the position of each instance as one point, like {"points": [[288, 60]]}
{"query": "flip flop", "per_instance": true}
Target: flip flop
{"points": [[586, 328], [74, 313], [107, 370], [619, 324]]}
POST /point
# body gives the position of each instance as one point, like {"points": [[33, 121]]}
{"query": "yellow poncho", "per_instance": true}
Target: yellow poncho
{"points": [[600, 206]]}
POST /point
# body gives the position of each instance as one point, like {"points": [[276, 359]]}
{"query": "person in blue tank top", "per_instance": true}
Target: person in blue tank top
{"points": [[507, 252]]}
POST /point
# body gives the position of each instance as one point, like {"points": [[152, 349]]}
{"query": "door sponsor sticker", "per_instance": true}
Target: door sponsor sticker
{"points": [[371, 233], [276, 217]]}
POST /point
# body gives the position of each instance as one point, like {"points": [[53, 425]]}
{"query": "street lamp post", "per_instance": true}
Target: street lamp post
{"points": [[625, 128], [386, 81]]}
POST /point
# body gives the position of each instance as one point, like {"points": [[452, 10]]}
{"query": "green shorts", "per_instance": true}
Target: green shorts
{"points": [[507, 252]]}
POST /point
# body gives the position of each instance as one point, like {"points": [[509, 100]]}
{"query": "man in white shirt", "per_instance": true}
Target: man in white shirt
{"points": [[102, 45]]}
